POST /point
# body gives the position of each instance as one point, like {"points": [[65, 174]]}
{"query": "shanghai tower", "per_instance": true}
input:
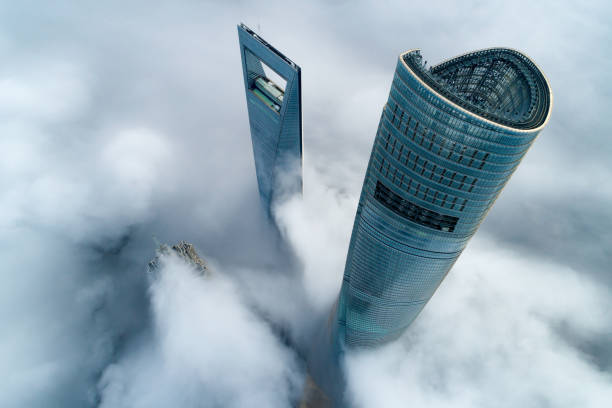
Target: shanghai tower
{"points": [[449, 139]]}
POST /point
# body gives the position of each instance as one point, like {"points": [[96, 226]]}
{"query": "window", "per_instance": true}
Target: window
{"points": [[264, 82], [414, 212]]}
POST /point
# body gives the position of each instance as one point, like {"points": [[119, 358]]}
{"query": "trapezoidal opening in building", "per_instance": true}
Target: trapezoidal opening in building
{"points": [[264, 82]]}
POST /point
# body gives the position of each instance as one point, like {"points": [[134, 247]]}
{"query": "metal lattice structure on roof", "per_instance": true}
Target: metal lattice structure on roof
{"points": [[499, 84]]}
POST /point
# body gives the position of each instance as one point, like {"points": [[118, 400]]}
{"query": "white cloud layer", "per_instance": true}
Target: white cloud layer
{"points": [[494, 335], [122, 121], [208, 348]]}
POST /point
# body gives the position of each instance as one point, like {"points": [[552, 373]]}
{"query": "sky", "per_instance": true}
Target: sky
{"points": [[123, 125]]}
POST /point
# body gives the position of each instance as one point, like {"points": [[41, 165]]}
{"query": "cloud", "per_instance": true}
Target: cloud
{"points": [[506, 328], [119, 122], [318, 226], [64, 217], [207, 347], [53, 340], [490, 336]]}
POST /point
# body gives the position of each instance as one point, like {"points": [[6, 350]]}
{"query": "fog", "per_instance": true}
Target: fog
{"points": [[123, 124]]}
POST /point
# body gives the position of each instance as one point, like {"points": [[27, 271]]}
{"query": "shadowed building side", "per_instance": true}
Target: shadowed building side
{"points": [[273, 93], [448, 140]]}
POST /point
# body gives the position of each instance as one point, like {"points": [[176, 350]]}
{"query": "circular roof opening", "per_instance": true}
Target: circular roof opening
{"points": [[499, 84]]}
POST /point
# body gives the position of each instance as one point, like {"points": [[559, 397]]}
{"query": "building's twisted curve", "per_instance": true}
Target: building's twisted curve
{"points": [[448, 140]]}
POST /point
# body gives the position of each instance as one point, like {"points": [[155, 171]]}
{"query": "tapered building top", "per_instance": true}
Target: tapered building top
{"points": [[273, 93]]}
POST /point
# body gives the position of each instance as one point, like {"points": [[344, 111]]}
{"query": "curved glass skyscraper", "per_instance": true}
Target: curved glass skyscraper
{"points": [[449, 138]]}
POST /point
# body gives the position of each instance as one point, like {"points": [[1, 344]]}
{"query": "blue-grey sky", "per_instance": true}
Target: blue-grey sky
{"points": [[123, 121]]}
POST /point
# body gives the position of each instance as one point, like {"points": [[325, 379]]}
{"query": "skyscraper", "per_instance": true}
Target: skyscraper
{"points": [[273, 92], [448, 140]]}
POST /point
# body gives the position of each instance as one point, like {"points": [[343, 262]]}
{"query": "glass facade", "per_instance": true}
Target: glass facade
{"points": [[273, 93], [449, 138]]}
